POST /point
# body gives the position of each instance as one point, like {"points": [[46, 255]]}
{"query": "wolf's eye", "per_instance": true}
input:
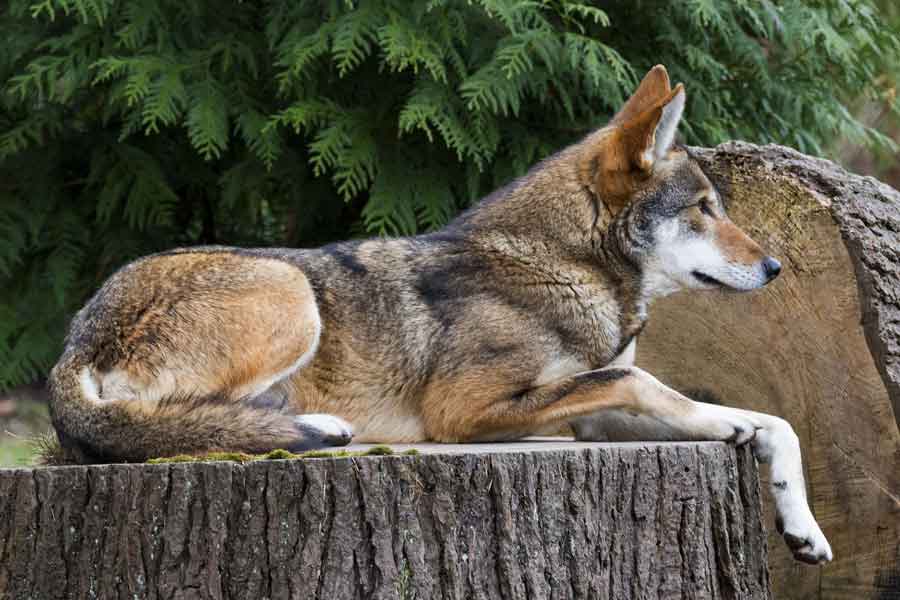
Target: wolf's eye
{"points": [[705, 208]]}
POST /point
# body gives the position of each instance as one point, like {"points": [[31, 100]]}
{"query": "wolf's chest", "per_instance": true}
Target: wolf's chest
{"points": [[598, 327]]}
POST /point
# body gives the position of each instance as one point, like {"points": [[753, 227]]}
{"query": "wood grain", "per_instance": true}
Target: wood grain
{"points": [[819, 347], [677, 520]]}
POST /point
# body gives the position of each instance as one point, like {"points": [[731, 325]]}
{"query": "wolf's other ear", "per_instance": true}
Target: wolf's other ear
{"points": [[649, 136], [653, 88]]}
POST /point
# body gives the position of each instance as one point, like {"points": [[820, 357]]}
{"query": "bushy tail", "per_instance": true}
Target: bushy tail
{"points": [[101, 430]]}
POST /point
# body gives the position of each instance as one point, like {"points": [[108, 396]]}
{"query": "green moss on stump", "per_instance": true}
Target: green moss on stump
{"points": [[212, 456]]}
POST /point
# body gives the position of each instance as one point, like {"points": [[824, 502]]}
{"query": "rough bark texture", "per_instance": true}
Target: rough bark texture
{"points": [[592, 521], [819, 347]]}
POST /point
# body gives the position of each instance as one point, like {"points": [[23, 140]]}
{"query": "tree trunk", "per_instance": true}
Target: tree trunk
{"points": [[819, 347], [539, 520]]}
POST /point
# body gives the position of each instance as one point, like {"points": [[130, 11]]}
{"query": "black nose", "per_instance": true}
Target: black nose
{"points": [[771, 267]]}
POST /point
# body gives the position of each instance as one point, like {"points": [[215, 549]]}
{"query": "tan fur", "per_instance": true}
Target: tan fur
{"points": [[241, 335], [736, 244], [628, 389]]}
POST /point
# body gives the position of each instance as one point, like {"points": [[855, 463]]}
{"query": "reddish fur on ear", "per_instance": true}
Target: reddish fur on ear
{"points": [[639, 133], [606, 168], [653, 87], [620, 156]]}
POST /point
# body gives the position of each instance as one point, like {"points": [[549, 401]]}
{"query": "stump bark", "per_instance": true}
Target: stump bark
{"points": [[550, 520], [820, 347]]}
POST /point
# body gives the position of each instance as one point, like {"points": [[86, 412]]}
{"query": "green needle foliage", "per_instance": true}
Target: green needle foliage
{"points": [[128, 127]]}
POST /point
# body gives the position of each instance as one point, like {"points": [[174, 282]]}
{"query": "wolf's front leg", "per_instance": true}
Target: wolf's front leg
{"points": [[774, 443], [778, 445]]}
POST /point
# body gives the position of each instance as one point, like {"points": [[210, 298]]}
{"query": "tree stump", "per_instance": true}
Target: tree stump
{"points": [[531, 520], [820, 347]]}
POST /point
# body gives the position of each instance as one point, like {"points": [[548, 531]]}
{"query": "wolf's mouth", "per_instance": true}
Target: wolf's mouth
{"points": [[704, 278]]}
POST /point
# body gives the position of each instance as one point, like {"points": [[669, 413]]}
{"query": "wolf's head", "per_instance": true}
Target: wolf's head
{"points": [[665, 214]]}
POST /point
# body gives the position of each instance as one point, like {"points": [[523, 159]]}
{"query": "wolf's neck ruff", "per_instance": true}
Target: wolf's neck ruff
{"points": [[565, 235]]}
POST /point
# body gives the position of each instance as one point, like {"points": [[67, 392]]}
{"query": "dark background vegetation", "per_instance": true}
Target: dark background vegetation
{"points": [[128, 127]]}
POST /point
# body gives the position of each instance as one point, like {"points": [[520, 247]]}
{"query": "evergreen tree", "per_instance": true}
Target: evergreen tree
{"points": [[128, 127]]}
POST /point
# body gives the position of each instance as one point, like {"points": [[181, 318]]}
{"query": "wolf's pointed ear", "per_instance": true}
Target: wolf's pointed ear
{"points": [[614, 160], [649, 136], [653, 88]]}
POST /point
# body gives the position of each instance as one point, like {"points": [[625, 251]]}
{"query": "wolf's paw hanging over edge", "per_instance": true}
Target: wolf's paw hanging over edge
{"points": [[318, 430], [805, 539]]}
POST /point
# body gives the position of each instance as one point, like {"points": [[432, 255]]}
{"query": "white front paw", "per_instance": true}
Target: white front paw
{"points": [[737, 430], [805, 539], [718, 423]]}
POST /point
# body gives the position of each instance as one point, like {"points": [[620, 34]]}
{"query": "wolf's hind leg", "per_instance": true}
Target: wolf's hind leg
{"points": [[195, 365]]}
